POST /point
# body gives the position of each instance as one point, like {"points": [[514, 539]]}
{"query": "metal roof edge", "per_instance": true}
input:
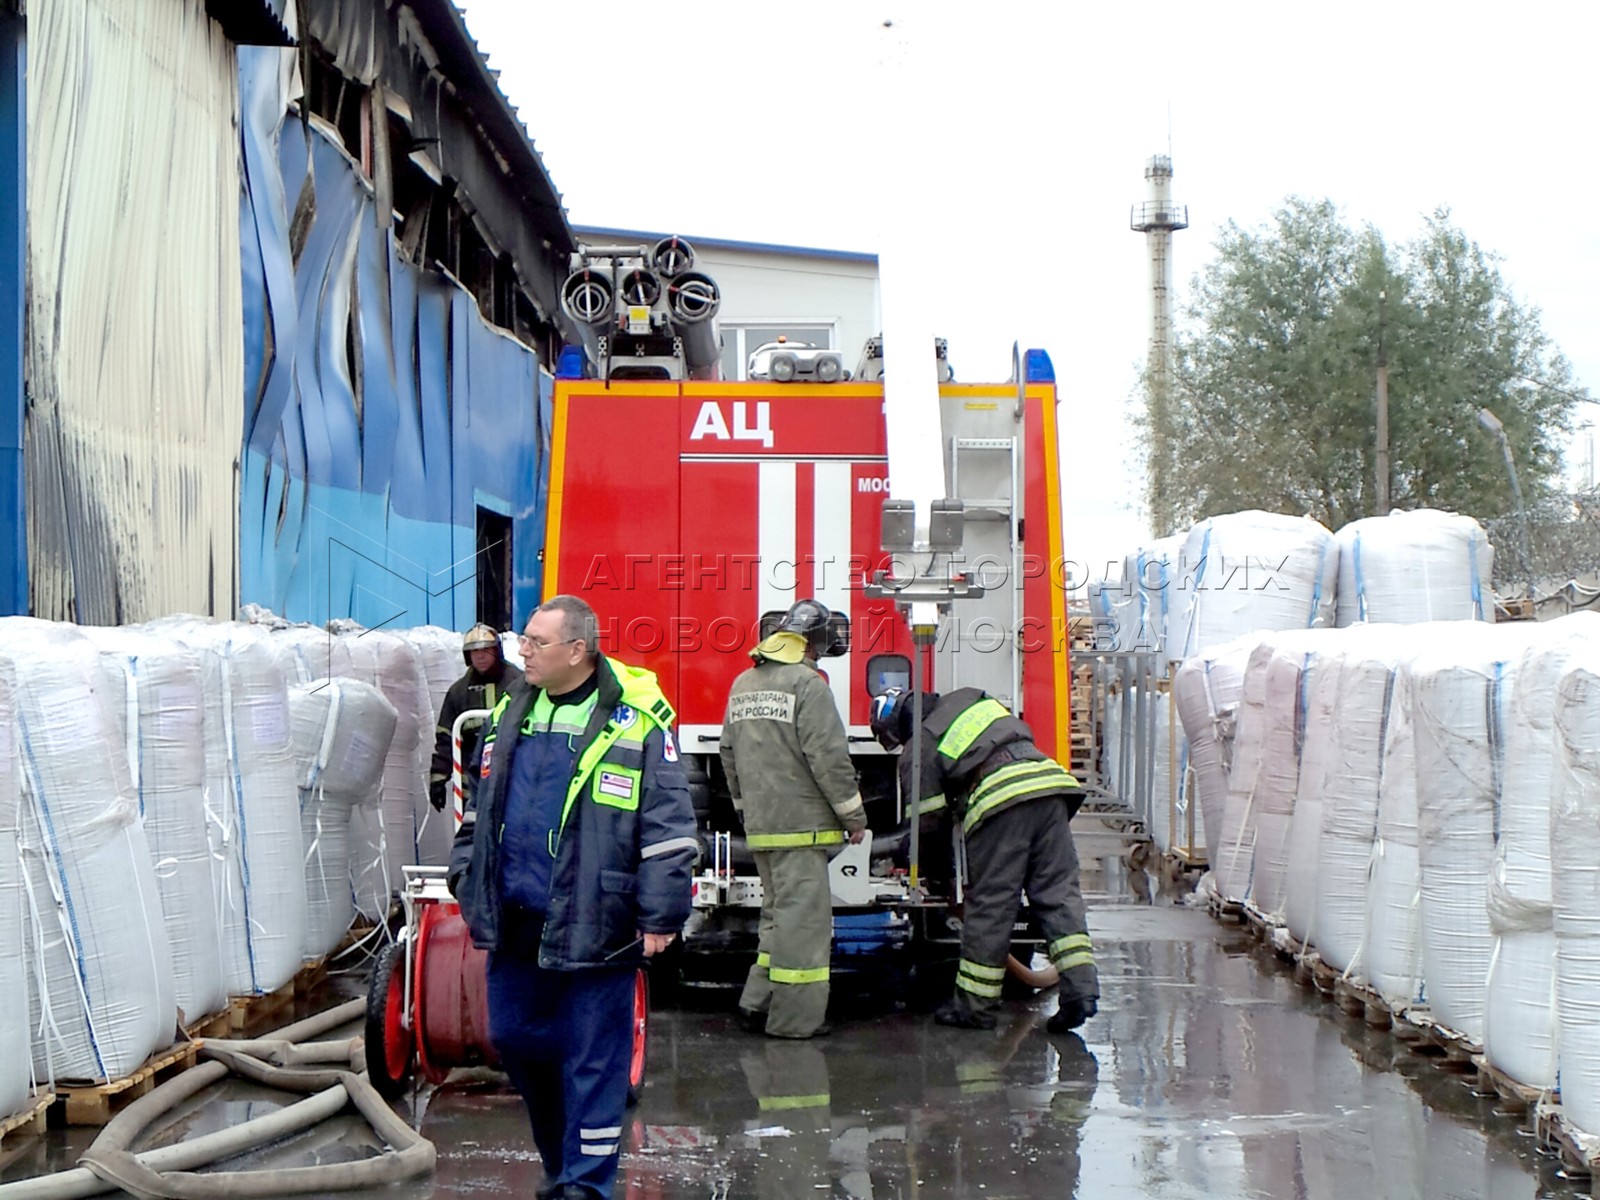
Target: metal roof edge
{"points": [[858, 256]]}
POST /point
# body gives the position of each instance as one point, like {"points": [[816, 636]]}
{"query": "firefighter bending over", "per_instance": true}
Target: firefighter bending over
{"points": [[787, 760], [487, 677], [1013, 802]]}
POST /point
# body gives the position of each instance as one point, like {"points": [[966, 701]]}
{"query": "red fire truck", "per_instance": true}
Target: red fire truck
{"points": [[691, 513]]}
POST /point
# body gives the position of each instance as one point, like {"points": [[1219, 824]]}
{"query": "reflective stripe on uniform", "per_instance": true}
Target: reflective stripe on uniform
{"points": [[1014, 780], [790, 841], [979, 979], [932, 804], [595, 1135], [597, 1149], [1062, 945], [668, 846], [778, 1103], [763, 960], [792, 976], [1074, 950], [964, 730]]}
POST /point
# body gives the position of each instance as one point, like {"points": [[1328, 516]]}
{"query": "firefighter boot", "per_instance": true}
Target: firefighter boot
{"points": [[1073, 1011], [960, 1013]]}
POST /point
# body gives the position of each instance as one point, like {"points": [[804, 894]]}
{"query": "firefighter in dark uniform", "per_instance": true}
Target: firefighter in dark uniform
{"points": [[787, 760], [573, 865], [1013, 803], [487, 678]]}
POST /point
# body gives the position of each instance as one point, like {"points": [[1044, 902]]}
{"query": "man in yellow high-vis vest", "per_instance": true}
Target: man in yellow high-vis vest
{"points": [[1013, 802], [787, 760]]}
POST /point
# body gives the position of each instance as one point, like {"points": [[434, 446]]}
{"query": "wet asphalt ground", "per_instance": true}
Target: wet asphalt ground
{"points": [[1208, 1073]]}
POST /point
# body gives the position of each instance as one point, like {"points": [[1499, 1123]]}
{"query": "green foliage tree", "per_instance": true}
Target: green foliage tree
{"points": [[1273, 398]]}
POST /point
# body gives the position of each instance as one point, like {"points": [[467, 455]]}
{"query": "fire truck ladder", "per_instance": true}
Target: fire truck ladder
{"points": [[990, 509]]}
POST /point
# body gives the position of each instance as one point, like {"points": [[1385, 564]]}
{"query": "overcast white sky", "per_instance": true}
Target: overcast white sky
{"points": [[760, 122]]}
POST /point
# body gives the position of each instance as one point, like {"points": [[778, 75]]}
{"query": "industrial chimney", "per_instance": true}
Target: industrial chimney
{"points": [[1157, 218]]}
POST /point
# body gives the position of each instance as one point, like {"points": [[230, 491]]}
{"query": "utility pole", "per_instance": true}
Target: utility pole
{"points": [[1383, 414]]}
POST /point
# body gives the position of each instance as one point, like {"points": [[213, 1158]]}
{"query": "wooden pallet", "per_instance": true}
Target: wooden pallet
{"points": [[1579, 1151], [27, 1123], [1427, 1036], [1360, 999], [245, 1011], [1518, 1097], [1229, 912], [96, 1104], [217, 1025]]}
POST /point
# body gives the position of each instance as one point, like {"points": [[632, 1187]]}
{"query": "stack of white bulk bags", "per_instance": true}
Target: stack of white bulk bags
{"points": [[381, 847], [1575, 888], [1392, 944], [1519, 1029], [257, 870], [1251, 571], [340, 730], [1410, 567], [1209, 687], [16, 1058], [1301, 688], [1363, 681], [1151, 578], [153, 687], [101, 997], [1103, 595], [442, 665], [1461, 704]]}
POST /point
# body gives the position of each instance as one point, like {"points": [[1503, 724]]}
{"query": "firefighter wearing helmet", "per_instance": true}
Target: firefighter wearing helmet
{"points": [[1013, 803], [787, 761], [486, 679]]}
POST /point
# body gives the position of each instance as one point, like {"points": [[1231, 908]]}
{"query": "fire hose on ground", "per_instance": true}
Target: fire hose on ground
{"points": [[279, 1061]]}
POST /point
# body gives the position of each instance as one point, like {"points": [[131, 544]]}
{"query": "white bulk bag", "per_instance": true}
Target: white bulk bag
{"points": [[1392, 943], [1234, 862], [101, 999], [154, 687], [340, 732], [1363, 682], [442, 665], [1209, 688], [257, 869], [1151, 577], [312, 653], [1250, 571], [384, 839], [1461, 702], [1575, 888], [1301, 684], [16, 1056], [1410, 567], [1519, 1023]]}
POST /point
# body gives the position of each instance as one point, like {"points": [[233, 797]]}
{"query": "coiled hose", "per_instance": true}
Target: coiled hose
{"points": [[278, 1061]]}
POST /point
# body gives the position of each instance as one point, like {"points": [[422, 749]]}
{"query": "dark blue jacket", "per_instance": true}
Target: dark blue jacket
{"points": [[628, 842]]}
